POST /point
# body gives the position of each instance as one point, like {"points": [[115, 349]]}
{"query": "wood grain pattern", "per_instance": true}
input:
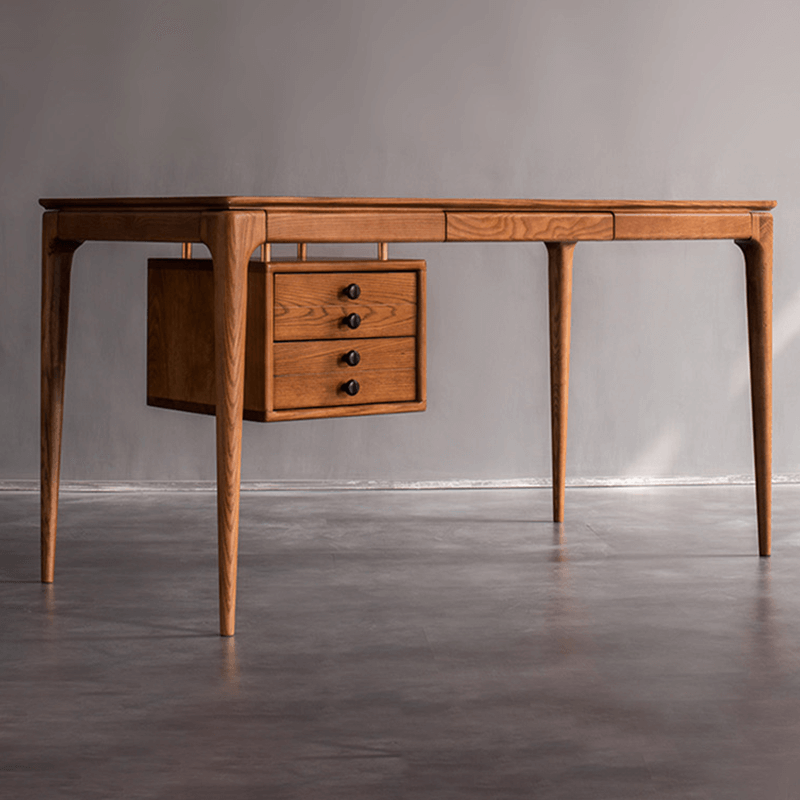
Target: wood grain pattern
{"points": [[56, 268], [181, 347], [422, 334], [258, 343], [332, 412], [323, 390], [159, 204], [682, 226], [396, 282], [231, 237], [758, 274], [180, 331], [356, 226], [559, 271], [303, 358], [528, 227], [313, 306], [130, 226], [327, 322], [180, 336], [304, 289], [348, 265]]}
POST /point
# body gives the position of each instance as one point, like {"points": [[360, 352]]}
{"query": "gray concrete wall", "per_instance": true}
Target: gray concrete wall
{"points": [[547, 98]]}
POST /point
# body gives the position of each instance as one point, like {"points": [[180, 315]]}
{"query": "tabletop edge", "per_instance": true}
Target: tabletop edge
{"points": [[215, 203]]}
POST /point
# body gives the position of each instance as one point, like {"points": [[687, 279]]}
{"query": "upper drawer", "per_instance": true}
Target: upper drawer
{"points": [[319, 305]]}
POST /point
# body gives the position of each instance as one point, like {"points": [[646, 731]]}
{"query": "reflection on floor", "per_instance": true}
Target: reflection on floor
{"points": [[404, 645]]}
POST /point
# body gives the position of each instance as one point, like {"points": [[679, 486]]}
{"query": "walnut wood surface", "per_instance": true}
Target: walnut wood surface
{"points": [[130, 226], [559, 272], [332, 412], [325, 389], [528, 227], [310, 289], [180, 331], [180, 336], [356, 226], [682, 226], [56, 268], [348, 265], [400, 203], [307, 318], [758, 274], [305, 358], [422, 335], [181, 341], [313, 306], [231, 238]]}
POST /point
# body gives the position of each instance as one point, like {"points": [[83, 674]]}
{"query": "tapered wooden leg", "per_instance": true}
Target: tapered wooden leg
{"points": [[231, 237], [560, 297], [758, 273], [56, 268]]}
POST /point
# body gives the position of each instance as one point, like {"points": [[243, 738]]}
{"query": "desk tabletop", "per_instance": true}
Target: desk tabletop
{"points": [[402, 204]]}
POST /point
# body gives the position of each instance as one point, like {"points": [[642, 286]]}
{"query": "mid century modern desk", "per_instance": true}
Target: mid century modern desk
{"points": [[234, 227]]}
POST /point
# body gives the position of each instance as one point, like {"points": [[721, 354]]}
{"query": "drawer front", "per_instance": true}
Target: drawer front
{"points": [[317, 390], [305, 358], [316, 306]]}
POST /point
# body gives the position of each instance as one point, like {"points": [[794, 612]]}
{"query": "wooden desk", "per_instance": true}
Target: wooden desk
{"points": [[233, 227]]}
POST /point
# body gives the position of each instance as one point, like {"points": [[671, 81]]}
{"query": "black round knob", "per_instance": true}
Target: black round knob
{"points": [[352, 321], [351, 387], [353, 291], [352, 358]]}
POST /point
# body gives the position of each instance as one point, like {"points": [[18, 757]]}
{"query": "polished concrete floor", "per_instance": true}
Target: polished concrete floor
{"points": [[404, 645]]}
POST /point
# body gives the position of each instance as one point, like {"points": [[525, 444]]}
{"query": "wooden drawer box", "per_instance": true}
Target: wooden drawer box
{"points": [[324, 339]]}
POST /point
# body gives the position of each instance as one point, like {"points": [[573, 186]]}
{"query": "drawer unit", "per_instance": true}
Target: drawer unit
{"points": [[323, 339]]}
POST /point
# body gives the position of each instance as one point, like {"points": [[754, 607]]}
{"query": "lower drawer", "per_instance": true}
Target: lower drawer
{"points": [[319, 390]]}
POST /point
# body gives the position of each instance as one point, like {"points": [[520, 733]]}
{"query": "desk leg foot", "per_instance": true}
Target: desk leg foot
{"points": [[560, 301], [56, 271], [758, 271], [231, 236]]}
